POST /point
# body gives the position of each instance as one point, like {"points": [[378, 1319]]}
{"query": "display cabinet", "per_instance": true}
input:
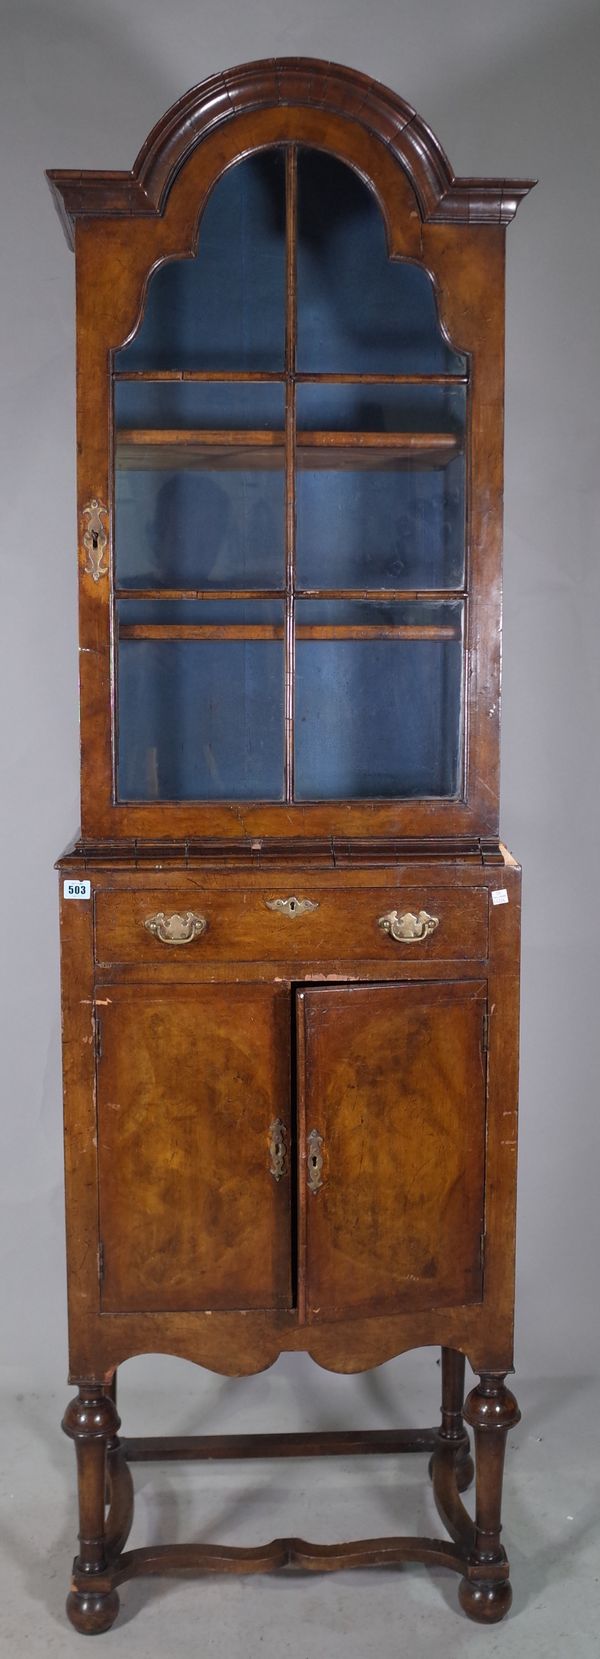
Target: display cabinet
{"points": [[290, 933]]}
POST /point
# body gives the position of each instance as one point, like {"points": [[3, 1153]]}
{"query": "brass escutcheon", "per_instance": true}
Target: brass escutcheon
{"points": [[278, 1149], [314, 1160], [95, 539], [291, 907]]}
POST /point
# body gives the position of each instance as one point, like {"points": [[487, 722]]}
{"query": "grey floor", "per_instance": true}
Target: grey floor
{"points": [[551, 1515]]}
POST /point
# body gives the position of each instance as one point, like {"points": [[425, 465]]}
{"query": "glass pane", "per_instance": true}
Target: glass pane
{"points": [[200, 612], [202, 405], [442, 616], [380, 517], [379, 408], [225, 308], [194, 510], [381, 529], [377, 717], [199, 529], [201, 719], [359, 311]]}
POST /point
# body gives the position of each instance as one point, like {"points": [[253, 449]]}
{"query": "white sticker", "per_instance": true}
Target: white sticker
{"points": [[77, 889], [499, 895]]}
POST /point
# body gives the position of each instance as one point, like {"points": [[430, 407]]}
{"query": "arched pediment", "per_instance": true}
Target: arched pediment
{"points": [[292, 82]]}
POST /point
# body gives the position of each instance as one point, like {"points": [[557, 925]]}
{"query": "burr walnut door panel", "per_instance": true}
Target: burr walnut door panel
{"points": [[193, 1147], [392, 1147]]}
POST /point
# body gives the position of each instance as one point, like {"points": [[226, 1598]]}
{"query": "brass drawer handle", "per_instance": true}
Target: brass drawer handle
{"points": [[278, 1149], [314, 1160], [176, 930], [408, 929], [291, 907]]}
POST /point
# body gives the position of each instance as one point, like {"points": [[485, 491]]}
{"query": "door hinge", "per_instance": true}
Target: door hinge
{"points": [[97, 1036], [482, 1250], [100, 1262], [485, 1037]]}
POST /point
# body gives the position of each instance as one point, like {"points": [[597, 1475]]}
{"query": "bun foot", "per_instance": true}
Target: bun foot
{"points": [[90, 1612], [485, 1603]]}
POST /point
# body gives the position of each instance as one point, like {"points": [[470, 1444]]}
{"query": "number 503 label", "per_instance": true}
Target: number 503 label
{"points": [[77, 889]]}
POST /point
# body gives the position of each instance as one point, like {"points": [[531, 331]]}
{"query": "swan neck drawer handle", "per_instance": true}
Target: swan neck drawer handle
{"points": [[176, 930], [408, 929]]}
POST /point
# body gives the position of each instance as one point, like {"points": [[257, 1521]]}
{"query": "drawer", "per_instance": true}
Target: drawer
{"points": [[291, 924]]}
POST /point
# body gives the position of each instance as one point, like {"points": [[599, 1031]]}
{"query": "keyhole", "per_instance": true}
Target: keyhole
{"points": [[95, 540], [293, 907]]}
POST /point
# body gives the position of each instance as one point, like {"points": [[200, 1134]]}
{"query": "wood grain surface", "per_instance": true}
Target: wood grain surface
{"points": [[393, 1079]]}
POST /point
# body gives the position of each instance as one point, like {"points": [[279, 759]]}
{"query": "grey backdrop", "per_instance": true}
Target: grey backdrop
{"points": [[509, 89]]}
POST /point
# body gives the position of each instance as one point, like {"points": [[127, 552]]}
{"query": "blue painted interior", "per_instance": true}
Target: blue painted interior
{"points": [[226, 307], [200, 721], [377, 718], [204, 720], [358, 311], [398, 528], [257, 406], [199, 529]]}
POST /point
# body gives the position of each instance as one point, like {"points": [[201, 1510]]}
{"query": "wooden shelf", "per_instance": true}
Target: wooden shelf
{"points": [[143, 449], [278, 377], [379, 596], [274, 630]]}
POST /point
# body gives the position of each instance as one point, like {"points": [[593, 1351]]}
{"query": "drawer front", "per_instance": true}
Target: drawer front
{"points": [[296, 924]]}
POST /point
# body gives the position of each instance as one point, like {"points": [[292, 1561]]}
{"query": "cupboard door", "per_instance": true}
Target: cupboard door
{"points": [[392, 1147], [194, 1186]]}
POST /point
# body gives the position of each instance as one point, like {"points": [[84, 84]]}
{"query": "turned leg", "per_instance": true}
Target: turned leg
{"points": [[92, 1422], [452, 1429], [491, 1410], [114, 1444]]}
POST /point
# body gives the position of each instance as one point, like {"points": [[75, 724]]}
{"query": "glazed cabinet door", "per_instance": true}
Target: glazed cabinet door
{"points": [[392, 1147], [193, 1093]]}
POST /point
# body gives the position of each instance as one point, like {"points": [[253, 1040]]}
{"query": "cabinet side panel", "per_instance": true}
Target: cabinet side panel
{"points": [[503, 1094], [80, 1127]]}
